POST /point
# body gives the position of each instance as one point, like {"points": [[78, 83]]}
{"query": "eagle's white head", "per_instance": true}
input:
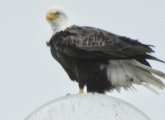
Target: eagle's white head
{"points": [[58, 19]]}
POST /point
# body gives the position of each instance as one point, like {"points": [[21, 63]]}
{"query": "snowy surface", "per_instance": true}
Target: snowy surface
{"points": [[87, 107]]}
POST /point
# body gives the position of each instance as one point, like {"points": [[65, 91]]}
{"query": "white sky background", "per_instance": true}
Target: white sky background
{"points": [[29, 75]]}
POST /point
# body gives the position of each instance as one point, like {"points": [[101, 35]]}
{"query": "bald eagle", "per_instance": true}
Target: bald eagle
{"points": [[98, 59]]}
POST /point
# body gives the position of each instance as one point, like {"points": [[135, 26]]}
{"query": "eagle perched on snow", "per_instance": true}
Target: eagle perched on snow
{"points": [[98, 59]]}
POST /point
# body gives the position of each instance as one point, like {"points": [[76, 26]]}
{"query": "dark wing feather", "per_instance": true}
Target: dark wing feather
{"points": [[88, 42]]}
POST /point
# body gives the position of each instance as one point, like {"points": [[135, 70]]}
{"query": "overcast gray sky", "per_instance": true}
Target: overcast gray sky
{"points": [[29, 75]]}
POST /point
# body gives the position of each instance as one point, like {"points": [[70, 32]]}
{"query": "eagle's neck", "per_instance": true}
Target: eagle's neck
{"points": [[61, 27]]}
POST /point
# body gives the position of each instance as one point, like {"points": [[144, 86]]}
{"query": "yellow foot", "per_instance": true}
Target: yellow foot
{"points": [[81, 91]]}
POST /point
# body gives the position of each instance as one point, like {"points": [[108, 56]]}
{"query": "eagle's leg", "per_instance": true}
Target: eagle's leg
{"points": [[81, 87], [81, 90]]}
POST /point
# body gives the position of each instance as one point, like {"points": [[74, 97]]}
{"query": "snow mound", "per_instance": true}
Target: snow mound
{"points": [[87, 107]]}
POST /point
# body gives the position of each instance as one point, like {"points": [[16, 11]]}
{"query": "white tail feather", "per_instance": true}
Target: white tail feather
{"points": [[149, 78], [151, 88], [157, 72], [124, 73]]}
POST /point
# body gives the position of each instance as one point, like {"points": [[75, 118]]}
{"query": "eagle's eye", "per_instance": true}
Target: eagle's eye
{"points": [[57, 13]]}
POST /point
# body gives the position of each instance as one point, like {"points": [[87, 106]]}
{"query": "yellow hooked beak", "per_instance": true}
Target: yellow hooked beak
{"points": [[50, 16]]}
